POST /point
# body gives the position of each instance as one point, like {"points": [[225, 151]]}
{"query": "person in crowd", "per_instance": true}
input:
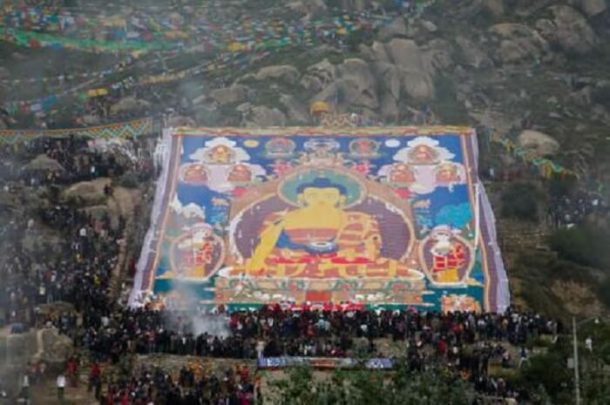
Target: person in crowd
{"points": [[61, 386]]}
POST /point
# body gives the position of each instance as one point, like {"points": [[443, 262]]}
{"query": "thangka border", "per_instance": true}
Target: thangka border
{"points": [[496, 289], [148, 247]]}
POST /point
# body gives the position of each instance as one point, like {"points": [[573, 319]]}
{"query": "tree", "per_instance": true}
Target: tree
{"points": [[584, 244], [520, 201], [354, 387]]}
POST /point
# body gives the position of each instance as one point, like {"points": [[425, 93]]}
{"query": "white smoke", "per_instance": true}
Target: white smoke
{"points": [[212, 324]]}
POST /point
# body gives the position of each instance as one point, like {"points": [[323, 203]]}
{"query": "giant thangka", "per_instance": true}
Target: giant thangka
{"points": [[390, 217]]}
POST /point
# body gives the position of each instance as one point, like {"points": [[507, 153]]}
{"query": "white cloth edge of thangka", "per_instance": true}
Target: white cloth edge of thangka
{"points": [[501, 290], [502, 287], [149, 239]]}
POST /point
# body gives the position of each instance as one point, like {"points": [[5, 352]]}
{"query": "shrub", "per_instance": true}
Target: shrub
{"points": [[583, 244], [603, 291], [520, 201], [129, 180], [446, 106]]}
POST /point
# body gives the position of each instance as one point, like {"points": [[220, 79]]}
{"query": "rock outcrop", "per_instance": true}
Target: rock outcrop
{"points": [[295, 111], [593, 7], [519, 43], [88, 192], [396, 28], [129, 104], [408, 58], [262, 116], [538, 143], [286, 73], [319, 76], [472, 54], [568, 29], [229, 95], [495, 7]]}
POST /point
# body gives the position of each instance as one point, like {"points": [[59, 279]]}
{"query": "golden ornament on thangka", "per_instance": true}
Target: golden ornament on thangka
{"points": [[330, 120]]}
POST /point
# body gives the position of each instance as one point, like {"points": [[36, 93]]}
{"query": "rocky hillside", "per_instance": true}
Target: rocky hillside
{"points": [[508, 65], [532, 71]]}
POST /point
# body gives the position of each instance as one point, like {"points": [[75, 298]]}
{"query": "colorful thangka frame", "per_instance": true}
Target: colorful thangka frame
{"points": [[378, 217]]}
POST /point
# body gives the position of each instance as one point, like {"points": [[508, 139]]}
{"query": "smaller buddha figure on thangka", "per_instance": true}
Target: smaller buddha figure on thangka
{"points": [[240, 174], [280, 147], [194, 173], [449, 255], [364, 148], [221, 155], [322, 148], [447, 173], [195, 254], [423, 154], [401, 175]]}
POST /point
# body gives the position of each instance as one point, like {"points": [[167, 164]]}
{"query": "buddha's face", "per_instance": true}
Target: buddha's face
{"points": [[321, 197]]}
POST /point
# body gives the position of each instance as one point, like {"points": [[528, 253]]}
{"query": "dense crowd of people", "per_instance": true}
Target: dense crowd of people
{"points": [[463, 343], [80, 259], [153, 385], [273, 331], [567, 211]]}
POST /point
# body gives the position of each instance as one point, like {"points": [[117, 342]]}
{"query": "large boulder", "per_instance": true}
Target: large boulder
{"points": [[396, 28], [296, 111], [228, 95], [389, 108], [495, 7], [374, 53], [390, 78], [286, 73], [472, 54], [43, 163], [593, 7], [437, 55], [538, 143], [55, 347], [568, 29], [418, 85], [358, 84], [416, 80], [405, 54], [517, 43], [180, 121], [87, 192], [355, 87], [262, 116], [379, 52], [319, 76]]}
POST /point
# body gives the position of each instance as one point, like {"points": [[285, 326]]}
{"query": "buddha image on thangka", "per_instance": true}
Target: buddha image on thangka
{"points": [[363, 218], [323, 230], [320, 225]]}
